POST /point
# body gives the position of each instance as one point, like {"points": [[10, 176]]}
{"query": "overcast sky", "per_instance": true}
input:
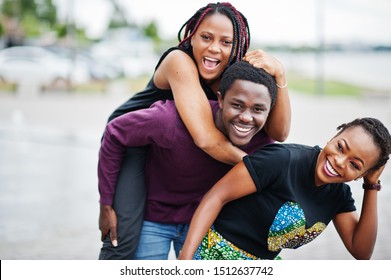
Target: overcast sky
{"points": [[271, 21]]}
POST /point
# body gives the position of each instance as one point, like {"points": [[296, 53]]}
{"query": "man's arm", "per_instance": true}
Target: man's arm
{"points": [[138, 128]]}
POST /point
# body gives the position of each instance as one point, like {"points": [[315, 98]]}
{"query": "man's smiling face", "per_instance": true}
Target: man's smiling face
{"points": [[244, 111]]}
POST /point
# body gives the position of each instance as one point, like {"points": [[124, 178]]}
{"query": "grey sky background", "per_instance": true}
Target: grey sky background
{"points": [[271, 22]]}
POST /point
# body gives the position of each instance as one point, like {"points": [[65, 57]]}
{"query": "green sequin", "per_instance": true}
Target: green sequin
{"points": [[215, 247]]}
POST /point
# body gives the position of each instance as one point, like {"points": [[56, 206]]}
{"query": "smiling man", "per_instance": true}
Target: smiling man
{"points": [[178, 172]]}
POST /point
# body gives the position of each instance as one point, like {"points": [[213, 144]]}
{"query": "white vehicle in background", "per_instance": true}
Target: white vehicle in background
{"points": [[99, 69], [32, 65], [130, 49]]}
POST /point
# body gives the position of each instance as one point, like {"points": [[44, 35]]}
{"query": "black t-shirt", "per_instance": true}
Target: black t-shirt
{"points": [[151, 93], [288, 210]]}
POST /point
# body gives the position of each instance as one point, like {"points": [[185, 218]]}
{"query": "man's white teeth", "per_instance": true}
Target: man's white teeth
{"points": [[242, 129], [331, 169]]}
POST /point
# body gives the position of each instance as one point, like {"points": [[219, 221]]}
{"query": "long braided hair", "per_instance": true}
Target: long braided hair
{"points": [[241, 40]]}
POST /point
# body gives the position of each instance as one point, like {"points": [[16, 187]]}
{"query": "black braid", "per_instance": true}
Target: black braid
{"points": [[379, 134], [241, 39]]}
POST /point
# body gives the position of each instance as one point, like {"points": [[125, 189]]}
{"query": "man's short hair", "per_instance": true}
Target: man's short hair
{"points": [[243, 70]]}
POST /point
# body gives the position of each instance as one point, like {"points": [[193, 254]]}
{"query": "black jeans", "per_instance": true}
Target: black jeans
{"points": [[129, 205]]}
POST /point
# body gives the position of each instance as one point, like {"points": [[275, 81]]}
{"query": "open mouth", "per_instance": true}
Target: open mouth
{"points": [[210, 63], [243, 130], [330, 171]]}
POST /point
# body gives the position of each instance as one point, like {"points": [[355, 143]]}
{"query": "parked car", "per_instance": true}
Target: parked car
{"points": [[35, 65], [129, 49], [98, 68]]}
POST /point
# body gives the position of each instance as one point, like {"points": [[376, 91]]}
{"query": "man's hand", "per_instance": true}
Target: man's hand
{"points": [[108, 223]]}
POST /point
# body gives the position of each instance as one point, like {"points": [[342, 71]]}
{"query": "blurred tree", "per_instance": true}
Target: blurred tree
{"points": [[118, 18], [22, 19], [26, 18], [151, 30], [46, 12]]}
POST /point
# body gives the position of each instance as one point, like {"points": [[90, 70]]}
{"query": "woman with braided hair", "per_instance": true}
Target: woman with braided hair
{"points": [[214, 38]]}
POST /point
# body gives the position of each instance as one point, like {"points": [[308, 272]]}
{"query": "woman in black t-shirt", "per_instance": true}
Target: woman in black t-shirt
{"points": [[284, 195]]}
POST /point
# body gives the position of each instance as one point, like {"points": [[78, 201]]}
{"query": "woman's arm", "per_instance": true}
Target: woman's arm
{"points": [[179, 73], [359, 234], [279, 120], [235, 184]]}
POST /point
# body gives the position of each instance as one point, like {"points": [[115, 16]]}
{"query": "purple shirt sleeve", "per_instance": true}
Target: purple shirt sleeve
{"points": [[134, 129]]}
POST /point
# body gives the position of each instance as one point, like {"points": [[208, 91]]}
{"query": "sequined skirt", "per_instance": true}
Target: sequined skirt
{"points": [[216, 247]]}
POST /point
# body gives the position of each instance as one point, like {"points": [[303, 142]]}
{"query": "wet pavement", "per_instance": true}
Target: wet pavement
{"points": [[48, 184]]}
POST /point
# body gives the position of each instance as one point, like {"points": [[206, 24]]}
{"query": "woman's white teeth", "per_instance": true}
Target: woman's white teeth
{"points": [[331, 169], [211, 59], [211, 62]]}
